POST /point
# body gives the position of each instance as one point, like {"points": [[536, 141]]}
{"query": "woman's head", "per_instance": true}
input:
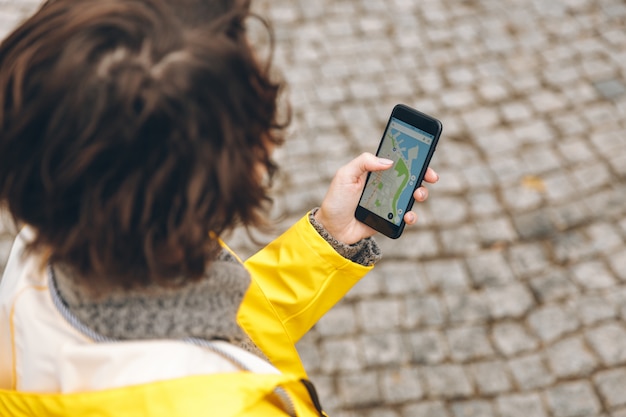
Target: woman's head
{"points": [[131, 129]]}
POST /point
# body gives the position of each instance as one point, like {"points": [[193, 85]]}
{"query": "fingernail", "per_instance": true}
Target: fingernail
{"points": [[421, 193], [385, 161]]}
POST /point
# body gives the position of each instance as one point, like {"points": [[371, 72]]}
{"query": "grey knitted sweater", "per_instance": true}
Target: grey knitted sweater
{"points": [[204, 309]]}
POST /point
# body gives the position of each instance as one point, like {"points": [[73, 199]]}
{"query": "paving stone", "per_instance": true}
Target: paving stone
{"points": [[619, 413], [571, 358], [451, 210], [401, 385], [340, 355], [537, 131], [604, 237], [473, 408], [415, 244], [491, 377], [554, 285], [425, 409], [570, 215], [530, 372], [450, 181], [576, 150], [607, 141], [493, 91], [618, 163], [559, 186], [469, 307], [610, 88], [423, 310], [469, 343], [618, 264], [610, 202], [503, 161], [447, 381], [519, 198], [520, 405], [368, 286], [618, 298], [509, 301], [511, 338], [506, 166], [428, 347], [534, 225], [489, 268], [401, 277], [573, 399], [527, 259], [381, 412], [570, 125], [496, 231], [460, 240], [378, 314], [611, 384], [609, 342], [449, 274], [516, 111], [383, 349], [593, 275], [484, 204], [594, 308], [478, 175], [457, 98], [541, 160], [591, 176], [359, 389], [547, 101], [570, 246], [552, 321]]}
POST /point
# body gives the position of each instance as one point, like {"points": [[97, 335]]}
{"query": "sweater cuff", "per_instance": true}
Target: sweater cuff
{"points": [[365, 252]]}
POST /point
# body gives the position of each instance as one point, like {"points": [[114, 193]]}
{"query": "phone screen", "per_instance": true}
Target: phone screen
{"points": [[389, 193]]}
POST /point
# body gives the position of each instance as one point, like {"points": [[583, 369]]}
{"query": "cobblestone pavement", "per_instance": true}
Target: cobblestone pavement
{"points": [[509, 297]]}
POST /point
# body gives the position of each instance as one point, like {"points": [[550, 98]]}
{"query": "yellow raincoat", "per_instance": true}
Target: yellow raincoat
{"points": [[295, 280]]}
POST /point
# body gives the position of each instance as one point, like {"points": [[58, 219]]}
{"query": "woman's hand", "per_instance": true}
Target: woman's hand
{"points": [[336, 213]]}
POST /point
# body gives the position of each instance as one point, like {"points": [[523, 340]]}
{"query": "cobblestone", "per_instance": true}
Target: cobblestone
{"points": [[468, 343], [447, 381], [508, 299], [401, 385], [512, 338], [571, 358], [552, 321], [520, 405], [612, 386], [491, 378], [573, 399], [609, 342], [530, 372], [428, 347]]}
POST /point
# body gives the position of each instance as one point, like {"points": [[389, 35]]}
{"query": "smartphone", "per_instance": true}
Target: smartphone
{"points": [[409, 140]]}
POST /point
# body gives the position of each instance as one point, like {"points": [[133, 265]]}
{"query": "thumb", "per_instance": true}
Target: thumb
{"points": [[366, 162]]}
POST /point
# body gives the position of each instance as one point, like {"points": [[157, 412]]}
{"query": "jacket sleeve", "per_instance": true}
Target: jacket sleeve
{"points": [[296, 279]]}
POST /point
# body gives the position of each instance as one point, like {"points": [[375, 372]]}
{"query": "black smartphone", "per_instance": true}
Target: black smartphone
{"points": [[409, 140]]}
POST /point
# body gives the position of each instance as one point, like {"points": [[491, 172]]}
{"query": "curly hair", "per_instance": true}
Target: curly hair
{"points": [[133, 132]]}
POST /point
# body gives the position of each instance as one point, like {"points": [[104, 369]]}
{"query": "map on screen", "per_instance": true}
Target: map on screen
{"points": [[388, 193]]}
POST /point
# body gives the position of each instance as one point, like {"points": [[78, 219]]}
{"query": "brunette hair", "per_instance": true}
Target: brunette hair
{"points": [[133, 132]]}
